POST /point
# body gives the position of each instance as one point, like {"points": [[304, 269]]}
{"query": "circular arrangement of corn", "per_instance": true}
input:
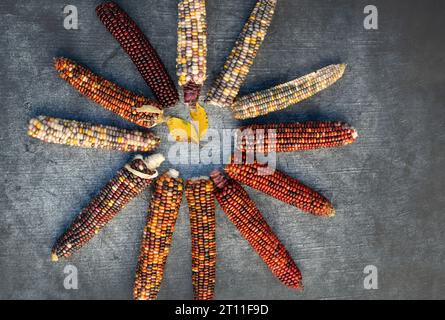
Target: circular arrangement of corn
{"points": [[87, 135], [201, 192], [191, 62], [226, 87], [280, 97]]}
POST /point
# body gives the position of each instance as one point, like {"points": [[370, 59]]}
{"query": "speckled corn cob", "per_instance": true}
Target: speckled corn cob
{"points": [[141, 52], [201, 202], [157, 237], [192, 48], [289, 137], [110, 96], [284, 95], [243, 213], [87, 135], [129, 182], [227, 85], [281, 187]]}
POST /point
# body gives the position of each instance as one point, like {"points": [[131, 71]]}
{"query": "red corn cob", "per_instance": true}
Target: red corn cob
{"points": [[201, 201], [289, 137], [129, 182], [243, 213], [110, 96], [141, 52], [157, 237], [281, 187]]}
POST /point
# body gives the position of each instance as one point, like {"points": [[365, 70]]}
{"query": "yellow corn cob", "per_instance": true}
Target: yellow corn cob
{"points": [[86, 135], [227, 85], [284, 95], [192, 48], [200, 198], [157, 237]]}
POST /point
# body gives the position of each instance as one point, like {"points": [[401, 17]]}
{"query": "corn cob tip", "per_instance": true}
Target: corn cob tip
{"points": [[153, 162], [54, 257], [218, 179], [354, 134], [331, 211], [173, 173], [60, 63], [342, 67]]}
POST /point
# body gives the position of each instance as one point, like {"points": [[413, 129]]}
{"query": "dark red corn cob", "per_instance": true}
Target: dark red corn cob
{"points": [[110, 96], [141, 52], [129, 182], [289, 137], [157, 237], [201, 202], [281, 187], [243, 213]]}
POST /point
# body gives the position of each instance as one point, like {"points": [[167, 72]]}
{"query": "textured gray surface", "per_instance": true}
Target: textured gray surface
{"points": [[388, 187]]}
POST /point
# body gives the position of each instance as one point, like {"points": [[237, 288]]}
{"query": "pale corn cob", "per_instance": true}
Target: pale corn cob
{"points": [[87, 135], [130, 106], [157, 237], [128, 183], [192, 48], [289, 137], [284, 95], [281, 186], [141, 52], [244, 214], [201, 203], [226, 87]]}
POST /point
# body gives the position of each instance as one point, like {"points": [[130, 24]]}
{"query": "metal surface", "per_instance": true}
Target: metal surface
{"points": [[387, 188]]}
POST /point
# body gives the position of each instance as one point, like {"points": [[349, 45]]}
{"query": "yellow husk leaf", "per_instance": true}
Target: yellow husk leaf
{"points": [[182, 130], [200, 120]]}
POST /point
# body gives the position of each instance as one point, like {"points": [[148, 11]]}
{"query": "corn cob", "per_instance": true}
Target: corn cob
{"points": [[86, 135], [281, 186], [141, 52], [201, 202], [192, 48], [289, 137], [227, 85], [129, 182], [284, 95], [243, 213], [157, 237], [134, 108]]}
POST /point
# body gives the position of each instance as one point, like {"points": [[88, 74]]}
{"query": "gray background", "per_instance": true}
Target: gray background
{"points": [[387, 188]]}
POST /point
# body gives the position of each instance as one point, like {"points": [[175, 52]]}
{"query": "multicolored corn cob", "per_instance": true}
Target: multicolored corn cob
{"points": [[226, 87], [130, 106], [192, 48], [243, 213], [157, 237], [87, 135], [282, 96], [129, 182], [201, 202], [141, 52], [290, 137], [282, 187]]}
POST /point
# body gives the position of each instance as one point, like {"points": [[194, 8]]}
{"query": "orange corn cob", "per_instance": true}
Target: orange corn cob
{"points": [[243, 213], [157, 237], [135, 108], [289, 137], [201, 202], [141, 52], [128, 183], [281, 187]]}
